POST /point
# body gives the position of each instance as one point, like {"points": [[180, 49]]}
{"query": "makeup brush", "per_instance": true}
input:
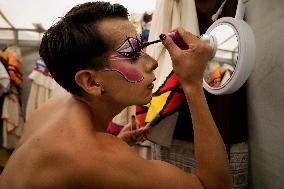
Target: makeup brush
{"points": [[175, 37]]}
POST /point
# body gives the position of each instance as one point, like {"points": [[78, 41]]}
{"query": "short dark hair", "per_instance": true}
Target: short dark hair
{"points": [[75, 43]]}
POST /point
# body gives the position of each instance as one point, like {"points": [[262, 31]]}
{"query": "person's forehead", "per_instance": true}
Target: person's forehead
{"points": [[115, 31]]}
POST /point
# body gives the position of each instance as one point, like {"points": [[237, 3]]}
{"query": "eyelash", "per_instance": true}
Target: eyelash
{"points": [[132, 55]]}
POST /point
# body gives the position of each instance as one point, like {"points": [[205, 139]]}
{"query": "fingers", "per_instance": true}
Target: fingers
{"points": [[132, 134], [141, 138], [193, 41], [138, 135], [188, 37], [145, 129], [133, 123], [169, 44]]}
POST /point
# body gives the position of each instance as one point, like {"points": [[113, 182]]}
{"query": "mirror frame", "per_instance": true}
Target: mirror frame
{"points": [[246, 57]]}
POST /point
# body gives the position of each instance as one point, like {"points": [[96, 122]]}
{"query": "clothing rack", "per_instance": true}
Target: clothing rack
{"points": [[16, 41]]}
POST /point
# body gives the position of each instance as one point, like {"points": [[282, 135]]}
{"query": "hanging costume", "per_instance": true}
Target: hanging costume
{"points": [[13, 120], [41, 88]]}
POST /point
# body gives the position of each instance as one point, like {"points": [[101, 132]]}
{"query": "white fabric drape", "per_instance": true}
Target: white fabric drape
{"points": [[41, 89], [167, 16], [13, 120], [124, 117]]}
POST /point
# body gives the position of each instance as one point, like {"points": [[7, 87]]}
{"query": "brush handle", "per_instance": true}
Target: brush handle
{"points": [[175, 37]]}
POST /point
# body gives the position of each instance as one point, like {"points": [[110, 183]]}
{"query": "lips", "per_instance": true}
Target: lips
{"points": [[150, 86]]}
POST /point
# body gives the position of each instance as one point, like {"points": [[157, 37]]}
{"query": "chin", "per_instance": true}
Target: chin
{"points": [[141, 102], [146, 100]]}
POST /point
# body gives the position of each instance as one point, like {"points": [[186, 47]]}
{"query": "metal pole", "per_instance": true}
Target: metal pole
{"points": [[241, 9]]}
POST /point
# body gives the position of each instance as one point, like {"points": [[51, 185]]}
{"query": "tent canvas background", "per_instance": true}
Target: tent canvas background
{"points": [[23, 14], [265, 91], [45, 13]]}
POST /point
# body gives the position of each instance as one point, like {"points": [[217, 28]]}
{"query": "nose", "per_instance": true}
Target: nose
{"points": [[151, 64]]}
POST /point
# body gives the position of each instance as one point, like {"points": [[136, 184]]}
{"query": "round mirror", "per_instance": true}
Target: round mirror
{"points": [[221, 67], [232, 63]]}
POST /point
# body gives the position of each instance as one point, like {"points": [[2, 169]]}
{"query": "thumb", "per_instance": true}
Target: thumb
{"points": [[137, 131], [169, 44]]}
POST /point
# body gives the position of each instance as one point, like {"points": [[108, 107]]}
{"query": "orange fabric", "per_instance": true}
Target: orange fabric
{"points": [[217, 73], [141, 112], [13, 67]]}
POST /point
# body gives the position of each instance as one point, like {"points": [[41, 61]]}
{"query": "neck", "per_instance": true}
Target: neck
{"points": [[100, 111]]}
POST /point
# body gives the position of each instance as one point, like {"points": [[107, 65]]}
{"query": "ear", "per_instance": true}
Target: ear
{"points": [[89, 81]]}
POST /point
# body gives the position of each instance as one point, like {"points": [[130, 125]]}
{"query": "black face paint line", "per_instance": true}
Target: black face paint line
{"points": [[131, 48]]}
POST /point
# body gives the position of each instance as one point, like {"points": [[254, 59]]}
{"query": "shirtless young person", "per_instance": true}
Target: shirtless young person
{"points": [[65, 144]]}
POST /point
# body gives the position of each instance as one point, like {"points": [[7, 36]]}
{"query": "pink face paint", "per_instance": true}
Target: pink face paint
{"points": [[129, 73], [131, 44], [130, 50]]}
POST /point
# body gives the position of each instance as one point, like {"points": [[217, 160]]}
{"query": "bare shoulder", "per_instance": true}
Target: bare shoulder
{"points": [[119, 166], [49, 151]]}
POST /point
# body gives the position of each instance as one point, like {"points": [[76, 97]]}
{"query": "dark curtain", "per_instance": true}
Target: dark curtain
{"points": [[229, 111]]}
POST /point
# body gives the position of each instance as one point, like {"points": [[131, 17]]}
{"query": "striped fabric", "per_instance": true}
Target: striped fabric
{"points": [[181, 154]]}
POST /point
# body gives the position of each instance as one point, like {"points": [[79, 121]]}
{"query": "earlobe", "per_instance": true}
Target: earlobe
{"points": [[87, 80]]}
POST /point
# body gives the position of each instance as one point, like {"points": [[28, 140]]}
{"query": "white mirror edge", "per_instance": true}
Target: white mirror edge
{"points": [[246, 58]]}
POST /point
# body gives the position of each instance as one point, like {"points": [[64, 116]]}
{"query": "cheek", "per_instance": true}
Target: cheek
{"points": [[130, 73]]}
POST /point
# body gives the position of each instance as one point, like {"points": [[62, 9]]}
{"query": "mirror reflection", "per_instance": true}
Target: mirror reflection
{"points": [[220, 69]]}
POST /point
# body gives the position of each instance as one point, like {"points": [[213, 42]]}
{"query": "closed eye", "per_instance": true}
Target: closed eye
{"points": [[132, 55], [131, 48]]}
